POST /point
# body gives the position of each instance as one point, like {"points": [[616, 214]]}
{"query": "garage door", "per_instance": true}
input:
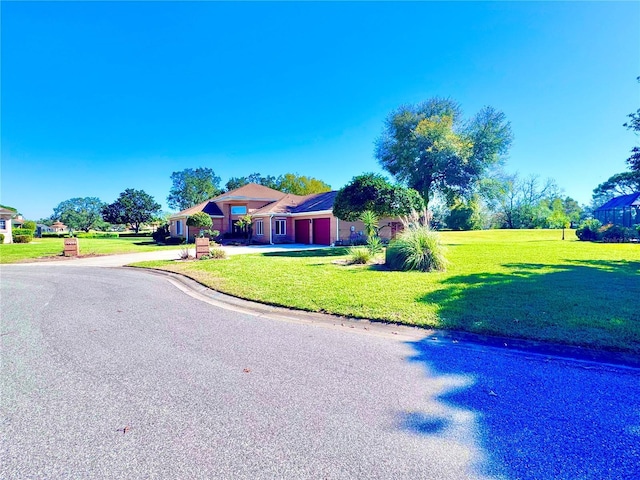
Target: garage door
{"points": [[302, 231], [322, 231]]}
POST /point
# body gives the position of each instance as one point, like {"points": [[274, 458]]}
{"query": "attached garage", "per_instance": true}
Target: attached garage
{"points": [[302, 231], [322, 231]]}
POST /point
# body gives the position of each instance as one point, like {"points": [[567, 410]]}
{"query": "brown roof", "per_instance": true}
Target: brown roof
{"points": [[284, 205], [250, 191]]}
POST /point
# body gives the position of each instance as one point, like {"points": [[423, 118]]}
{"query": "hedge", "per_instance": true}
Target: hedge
{"points": [[22, 238], [97, 235]]}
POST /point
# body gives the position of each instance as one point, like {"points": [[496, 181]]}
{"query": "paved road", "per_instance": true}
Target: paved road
{"points": [[117, 373]]}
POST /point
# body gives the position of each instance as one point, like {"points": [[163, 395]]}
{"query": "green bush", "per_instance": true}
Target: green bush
{"points": [[22, 231], [617, 234], [54, 235], [134, 234], [416, 248], [97, 235], [1, 237], [359, 255], [29, 225], [217, 253], [22, 238], [199, 219], [589, 230], [161, 234]]}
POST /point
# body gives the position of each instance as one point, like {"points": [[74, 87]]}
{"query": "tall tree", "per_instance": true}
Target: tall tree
{"points": [[300, 185], [430, 148], [373, 192], [133, 207], [79, 213], [237, 182], [192, 186]]}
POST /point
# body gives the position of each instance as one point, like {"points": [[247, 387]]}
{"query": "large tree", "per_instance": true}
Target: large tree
{"points": [[431, 148], [237, 182], [79, 213], [133, 207], [192, 186], [300, 185], [373, 192]]}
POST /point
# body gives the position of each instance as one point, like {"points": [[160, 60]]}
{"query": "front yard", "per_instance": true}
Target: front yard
{"points": [[524, 284], [52, 247]]}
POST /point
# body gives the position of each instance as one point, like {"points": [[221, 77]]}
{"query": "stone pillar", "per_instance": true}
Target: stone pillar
{"points": [[71, 247], [202, 247]]}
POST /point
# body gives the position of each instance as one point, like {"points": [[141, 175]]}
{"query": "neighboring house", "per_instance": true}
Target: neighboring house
{"points": [[58, 227], [42, 228], [5, 224], [277, 217], [18, 221], [623, 210]]}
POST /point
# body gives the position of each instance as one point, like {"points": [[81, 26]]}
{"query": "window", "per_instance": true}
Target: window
{"points": [[259, 228], [281, 227], [3, 224], [238, 210], [179, 227]]}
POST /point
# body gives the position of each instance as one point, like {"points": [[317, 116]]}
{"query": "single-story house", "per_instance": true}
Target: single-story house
{"points": [[5, 224], [277, 217], [623, 210]]}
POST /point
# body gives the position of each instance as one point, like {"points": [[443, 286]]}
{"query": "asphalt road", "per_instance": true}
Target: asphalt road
{"points": [[117, 373]]}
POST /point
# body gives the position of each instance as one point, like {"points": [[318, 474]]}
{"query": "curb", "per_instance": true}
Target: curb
{"points": [[399, 331]]}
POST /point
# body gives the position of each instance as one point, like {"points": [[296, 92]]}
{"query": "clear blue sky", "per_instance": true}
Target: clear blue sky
{"points": [[98, 97]]}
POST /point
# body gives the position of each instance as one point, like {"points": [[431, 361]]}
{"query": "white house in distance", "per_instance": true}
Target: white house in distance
{"points": [[5, 224]]}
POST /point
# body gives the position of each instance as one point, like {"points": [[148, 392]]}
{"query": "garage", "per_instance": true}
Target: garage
{"points": [[302, 231], [322, 231]]}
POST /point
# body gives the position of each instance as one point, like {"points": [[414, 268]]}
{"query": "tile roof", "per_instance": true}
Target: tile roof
{"points": [[630, 200], [250, 191]]}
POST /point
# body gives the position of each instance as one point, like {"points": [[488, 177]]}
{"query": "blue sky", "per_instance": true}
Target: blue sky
{"points": [[102, 96]]}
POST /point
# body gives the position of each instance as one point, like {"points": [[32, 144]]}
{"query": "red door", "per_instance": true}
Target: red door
{"points": [[302, 231], [322, 231]]}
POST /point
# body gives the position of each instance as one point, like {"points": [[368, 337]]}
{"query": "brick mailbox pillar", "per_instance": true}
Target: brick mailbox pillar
{"points": [[202, 247], [71, 247]]}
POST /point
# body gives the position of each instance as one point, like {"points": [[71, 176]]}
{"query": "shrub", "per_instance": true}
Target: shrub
{"points": [[161, 234], [374, 245], [22, 238], [54, 235], [217, 253], [97, 235], [134, 234], [174, 241], [617, 234], [416, 248], [199, 219], [22, 231], [1, 237], [589, 230], [29, 225], [359, 255]]}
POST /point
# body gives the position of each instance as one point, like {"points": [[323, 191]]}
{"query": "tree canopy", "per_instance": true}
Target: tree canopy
{"points": [[430, 148], [373, 192], [287, 183], [133, 207], [79, 213], [192, 186], [237, 182]]}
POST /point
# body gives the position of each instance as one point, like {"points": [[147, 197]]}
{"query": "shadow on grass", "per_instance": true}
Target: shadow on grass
{"points": [[321, 252], [591, 303], [530, 416]]}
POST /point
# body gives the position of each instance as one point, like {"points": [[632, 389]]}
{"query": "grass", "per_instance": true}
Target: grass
{"points": [[52, 247], [524, 284]]}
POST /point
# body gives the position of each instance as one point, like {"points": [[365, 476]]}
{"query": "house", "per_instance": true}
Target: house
{"points": [[623, 210], [58, 227], [5, 224], [277, 217]]}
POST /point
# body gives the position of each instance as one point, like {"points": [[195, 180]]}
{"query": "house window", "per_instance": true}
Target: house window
{"points": [[179, 227], [238, 210], [281, 227], [3, 224], [259, 227]]}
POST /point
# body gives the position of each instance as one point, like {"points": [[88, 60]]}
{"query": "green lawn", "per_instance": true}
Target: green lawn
{"points": [[52, 247], [526, 284]]}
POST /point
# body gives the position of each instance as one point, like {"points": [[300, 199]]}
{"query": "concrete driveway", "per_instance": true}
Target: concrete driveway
{"points": [[128, 258]]}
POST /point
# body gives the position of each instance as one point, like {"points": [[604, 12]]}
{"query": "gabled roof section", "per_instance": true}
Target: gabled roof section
{"points": [[631, 200], [207, 207], [317, 203], [250, 191], [284, 205]]}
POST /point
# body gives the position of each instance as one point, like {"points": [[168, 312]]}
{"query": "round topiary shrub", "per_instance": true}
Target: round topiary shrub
{"points": [[416, 248], [22, 238]]}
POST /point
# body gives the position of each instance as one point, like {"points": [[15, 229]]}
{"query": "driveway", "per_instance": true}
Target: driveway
{"points": [[128, 258], [116, 373]]}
